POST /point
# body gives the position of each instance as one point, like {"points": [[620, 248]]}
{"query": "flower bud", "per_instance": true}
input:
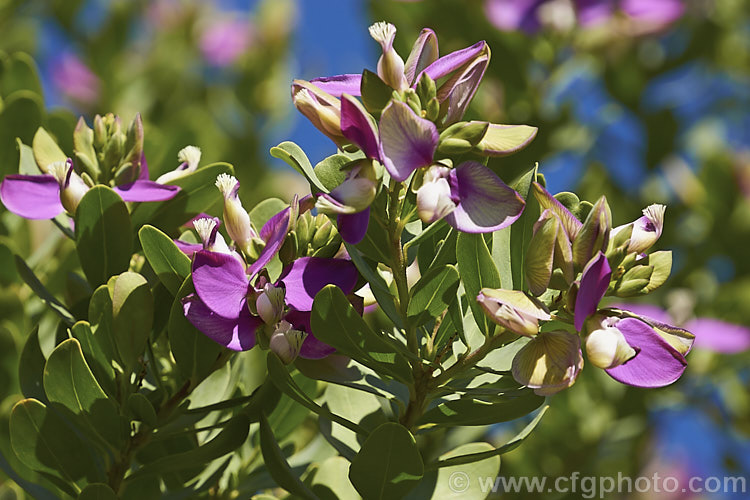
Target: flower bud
{"points": [[513, 310], [606, 346], [270, 304], [646, 230], [286, 342], [236, 217], [434, 197], [72, 187], [390, 64], [594, 234], [321, 108], [549, 363]]}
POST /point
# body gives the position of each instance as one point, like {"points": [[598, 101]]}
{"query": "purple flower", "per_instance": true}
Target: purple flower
{"points": [[47, 195], [654, 12], [75, 79], [232, 302], [466, 68], [594, 283], [470, 197], [711, 334], [225, 40], [656, 363], [512, 15]]}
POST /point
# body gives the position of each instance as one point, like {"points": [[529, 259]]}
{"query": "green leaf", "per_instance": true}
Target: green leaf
{"points": [[132, 316], [277, 465], [501, 255], [460, 481], [97, 491], [46, 150], [142, 409], [468, 458], [103, 236], [297, 159], [521, 230], [231, 437], [20, 116], [197, 194], [97, 360], [100, 318], [28, 277], [375, 92], [482, 410], [19, 72], [289, 416], [26, 162], [168, 262], [31, 367], [332, 314], [195, 354], [45, 443], [280, 377], [388, 465], [330, 170], [452, 324], [263, 211], [433, 293], [68, 380], [477, 271], [378, 285], [330, 480]]}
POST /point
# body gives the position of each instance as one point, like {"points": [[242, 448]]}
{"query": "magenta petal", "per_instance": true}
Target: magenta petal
{"points": [[188, 248], [312, 348], [31, 196], [220, 282], [237, 334], [423, 53], [353, 227], [653, 11], [308, 275], [485, 203], [141, 190], [594, 284], [143, 175], [408, 141], [273, 233], [656, 363], [453, 61], [339, 84], [719, 336], [357, 126]]}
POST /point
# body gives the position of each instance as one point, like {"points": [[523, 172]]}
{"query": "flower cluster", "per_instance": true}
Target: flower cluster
{"points": [[572, 265], [103, 155], [407, 127], [236, 303]]}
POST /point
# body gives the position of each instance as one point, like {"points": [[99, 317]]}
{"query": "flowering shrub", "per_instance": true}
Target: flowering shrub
{"points": [[428, 292]]}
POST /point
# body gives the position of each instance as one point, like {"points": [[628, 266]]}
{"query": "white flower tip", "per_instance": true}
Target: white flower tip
{"points": [[190, 155], [227, 184], [205, 228], [59, 170], [383, 33], [655, 213]]}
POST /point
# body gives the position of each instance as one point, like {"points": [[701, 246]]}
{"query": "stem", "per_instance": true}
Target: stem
{"points": [[473, 358]]}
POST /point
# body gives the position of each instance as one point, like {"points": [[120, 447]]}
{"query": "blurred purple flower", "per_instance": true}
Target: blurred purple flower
{"points": [[512, 15], [223, 41], [658, 12], [75, 79]]}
